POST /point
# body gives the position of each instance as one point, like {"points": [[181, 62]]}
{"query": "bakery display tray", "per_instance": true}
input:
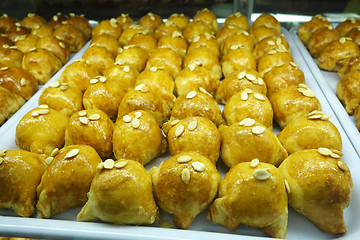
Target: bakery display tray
{"points": [[65, 226], [327, 81]]}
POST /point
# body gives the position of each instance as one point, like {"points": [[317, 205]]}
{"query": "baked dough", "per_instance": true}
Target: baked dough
{"points": [[144, 40], [66, 180], [108, 26], [306, 29], [165, 29], [237, 19], [199, 135], [63, 97], [196, 28], [81, 23], [107, 41], [357, 117], [150, 22], [175, 42], [238, 81], [262, 32], [180, 20], [9, 103], [246, 198], [348, 91], [133, 55], [205, 40], [248, 139], [354, 34], [272, 59], [20, 174], [249, 104], [207, 17], [185, 187], [25, 43], [41, 130], [348, 65], [124, 74], [166, 59], [129, 32], [197, 103], [320, 38], [105, 95], [99, 57], [32, 21], [291, 103], [54, 45], [16, 31], [310, 132], [71, 36], [227, 31], [121, 193], [11, 57], [270, 43], [346, 26], [124, 20], [237, 59], [91, 127], [137, 136], [330, 191], [6, 22], [57, 20], [42, 31], [266, 20], [239, 39]]}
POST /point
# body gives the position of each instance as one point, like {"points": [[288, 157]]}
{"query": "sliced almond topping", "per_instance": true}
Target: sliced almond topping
{"points": [[184, 159], [43, 111], [192, 66], [242, 75], [260, 81], [22, 82], [244, 96], [315, 117], [94, 117], [4, 68], [126, 69], [342, 166], [334, 155], [175, 122], [127, 118], [261, 174], [153, 69], [138, 114], [54, 152], [84, 120], [248, 90], [100, 166], [135, 123], [254, 163], [35, 113], [1, 160], [308, 93], [271, 52], [196, 39], [185, 175], [259, 96], [179, 130], [342, 40], [198, 166], [43, 106], [287, 186], [82, 113], [121, 164], [109, 164], [144, 89], [64, 87], [102, 79], [203, 90], [72, 153], [49, 160], [192, 125], [324, 151], [61, 44], [271, 43], [325, 117], [337, 152], [93, 81], [191, 94], [250, 77], [247, 122], [258, 130], [138, 87], [293, 64]]}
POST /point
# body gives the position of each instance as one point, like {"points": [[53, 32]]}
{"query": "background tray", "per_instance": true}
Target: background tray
{"points": [[64, 225]]}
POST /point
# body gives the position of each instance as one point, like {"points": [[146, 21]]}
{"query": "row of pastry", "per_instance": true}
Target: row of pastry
{"points": [[32, 51], [337, 49], [101, 163]]}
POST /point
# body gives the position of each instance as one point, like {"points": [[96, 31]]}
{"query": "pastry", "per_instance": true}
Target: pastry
{"points": [[346, 26], [197, 104], [32, 20], [185, 185], [144, 40], [107, 26], [237, 19], [16, 31], [107, 41], [238, 40], [165, 29], [357, 117], [42, 31], [120, 193], [193, 134], [347, 65], [42, 64], [99, 57], [142, 99], [252, 193], [249, 104], [166, 59], [105, 95], [91, 127], [330, 191], [124, 74], [266, 20], [81, 23], [262, 32], [238, 81], [5, 41], [237, 59], [291, 103], [354, 34], [272, 59], [63, 97], [11, 57], [175, 42], [150, 22], [57, 20], [66, 180], [310, 132], [205, 40], [71, 36], [124, 20], [55, 46], [129, 32], [306, 29], [6, 22], [133, 55], [41, 130], [180, 20], [320, 38], [207, 17], [20, 174], [347, 90], [227, 31], [137, 136], [9, 103], [248, 139], [26, 43], [196, 28], [271, 43]]}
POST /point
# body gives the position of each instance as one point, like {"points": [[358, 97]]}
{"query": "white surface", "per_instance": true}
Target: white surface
{"points": [[64, 225]]}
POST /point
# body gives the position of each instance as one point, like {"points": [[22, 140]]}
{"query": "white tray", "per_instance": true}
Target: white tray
{"points": [[64, 225], [327, 81]]}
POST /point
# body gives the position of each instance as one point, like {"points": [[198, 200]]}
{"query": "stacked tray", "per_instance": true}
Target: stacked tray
{"points": [[64, 225]]}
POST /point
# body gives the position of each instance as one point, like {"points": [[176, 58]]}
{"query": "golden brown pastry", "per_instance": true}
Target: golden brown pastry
{"points": [[99, 57], [195, 77], [193, 134], [185, 185], [57, 20], [354, 34], [144, 40], [54, 45], [107, 26], [9, 103], [272, 59], [81, 23], [180, 20], [320, 38], [248, 139], [238, 81], [346, 26], [20, 174], [291, 103], [71, 36], [16, 31], [150, 22], [121, 193], [263, 32], [347, 90], [78, 73], [336, 51], [310, 132], [142, 99], [237, 19], [25, 43], [347, 65], [253, 194], [266, 20], [6, 22], [196, 28], [306, 29], [271, 43], [91, 127], [175, 42], [165, 29], [249, 104], [227, 31], [137, 136], [357, 117], [129, 32], [18, 81], [11, 57], [237, 59], [207, 17], [103, 94], [197, 104], [42, 64], [67, 179], [5, 41], [204, 57], [106, 41], [124, 20], [284, 76], [133, 55], [159, 82], [237, 40], [124, 74], [42, 31], [32, 20], [205, 40], [330, 191], [41, 130], [63, 97], [166, 59]]}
